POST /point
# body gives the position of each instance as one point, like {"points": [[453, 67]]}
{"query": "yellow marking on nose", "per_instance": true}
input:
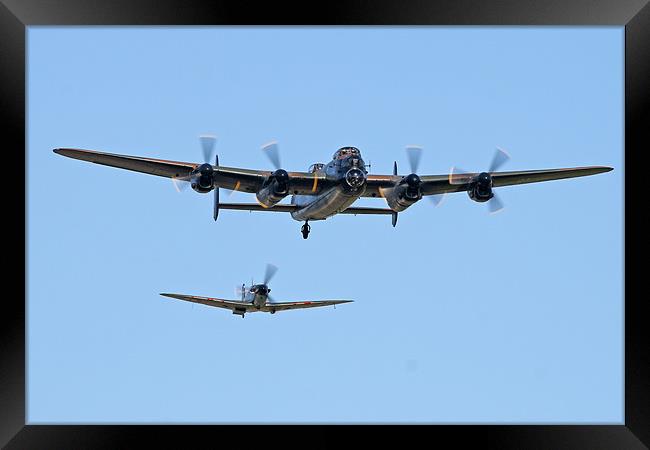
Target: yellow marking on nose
{"points": [[381, 192], [313, 189], [237, 185]]}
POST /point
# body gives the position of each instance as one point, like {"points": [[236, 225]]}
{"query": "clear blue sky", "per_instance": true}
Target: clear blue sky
{"points": [[459, 316]]}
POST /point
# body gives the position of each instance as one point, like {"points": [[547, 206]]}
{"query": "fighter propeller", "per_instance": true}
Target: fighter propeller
{"points": [[268, 275], [242, 290]]}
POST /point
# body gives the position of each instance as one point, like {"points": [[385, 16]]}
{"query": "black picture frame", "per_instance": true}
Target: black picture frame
{"points": [[16, 15]]}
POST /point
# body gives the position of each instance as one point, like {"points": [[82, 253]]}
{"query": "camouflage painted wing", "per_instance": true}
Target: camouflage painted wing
{"points": [[218, 302], [284, 306]]}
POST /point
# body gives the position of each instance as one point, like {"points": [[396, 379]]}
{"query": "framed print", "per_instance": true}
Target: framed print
{"points": [[514, 329]]}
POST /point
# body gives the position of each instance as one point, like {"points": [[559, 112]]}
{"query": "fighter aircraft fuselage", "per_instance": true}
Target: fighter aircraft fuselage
{"points": [[257, 294]]}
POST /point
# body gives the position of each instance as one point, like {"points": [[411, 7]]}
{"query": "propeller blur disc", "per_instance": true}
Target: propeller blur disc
{"points": [[273, 153], [459, 176], [414, 153], [181, 183], [436, 199], [499, 159], [270, 272], [495, 204], [207, 143]]}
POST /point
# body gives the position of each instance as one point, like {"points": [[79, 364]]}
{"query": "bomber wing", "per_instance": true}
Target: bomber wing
{"points": [[233, 178], [441, 184]]}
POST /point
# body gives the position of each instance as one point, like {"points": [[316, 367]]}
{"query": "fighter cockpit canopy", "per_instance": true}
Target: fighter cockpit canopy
{"points": [[344, 152]]}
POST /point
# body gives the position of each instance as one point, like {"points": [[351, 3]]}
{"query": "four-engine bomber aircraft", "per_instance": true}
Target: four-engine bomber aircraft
{"points": [[256, 298], [329, 189]]}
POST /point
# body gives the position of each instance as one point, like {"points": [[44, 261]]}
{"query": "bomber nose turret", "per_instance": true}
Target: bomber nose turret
{"points": [[355, 177]]}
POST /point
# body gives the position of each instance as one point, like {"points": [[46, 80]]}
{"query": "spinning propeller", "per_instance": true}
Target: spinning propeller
{"points": [[413, 180], [202, 178], [268, 275], [280, 175], [272, 152], [242, 290], [208, 142], [414, 154], [483, 179]]}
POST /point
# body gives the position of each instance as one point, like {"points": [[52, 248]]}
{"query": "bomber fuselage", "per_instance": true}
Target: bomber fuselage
{"points": [[348, 171]]}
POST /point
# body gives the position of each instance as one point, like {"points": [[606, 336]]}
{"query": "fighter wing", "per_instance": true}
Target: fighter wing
{"points": [[440, 184], [218, 302], [283, 306], [246, 180]]}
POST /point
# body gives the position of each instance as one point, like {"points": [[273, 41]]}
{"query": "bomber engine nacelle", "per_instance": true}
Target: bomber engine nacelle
{"points": [[480, 188], [274, 189], [405, 193], [202, 178]]}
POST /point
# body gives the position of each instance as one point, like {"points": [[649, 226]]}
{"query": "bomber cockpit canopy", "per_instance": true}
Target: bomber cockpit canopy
{"points": [[316, 167], [344, 152]]}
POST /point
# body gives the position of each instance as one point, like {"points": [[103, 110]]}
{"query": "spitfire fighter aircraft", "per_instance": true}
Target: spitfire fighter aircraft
{"points": [[329, 189], [256, 298]]}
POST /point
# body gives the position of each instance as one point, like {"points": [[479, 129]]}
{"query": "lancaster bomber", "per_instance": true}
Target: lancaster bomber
{"points": [[332, 188], [256, 298]]}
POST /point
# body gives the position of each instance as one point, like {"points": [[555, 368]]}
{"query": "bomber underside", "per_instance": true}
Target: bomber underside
{"points": [[322, 206]]}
